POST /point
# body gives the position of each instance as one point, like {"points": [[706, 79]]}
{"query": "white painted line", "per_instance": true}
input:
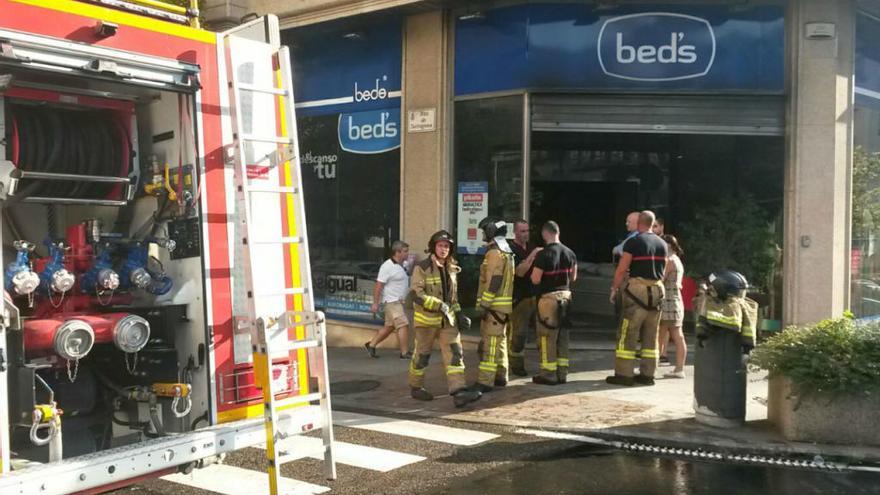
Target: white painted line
{"points": [[565, 436], [231, 480], [382, 460], [413, 429]]}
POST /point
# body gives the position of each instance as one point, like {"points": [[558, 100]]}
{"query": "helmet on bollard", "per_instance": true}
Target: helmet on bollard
{"points": [[493, 228], [441, 235], [728, 283]]}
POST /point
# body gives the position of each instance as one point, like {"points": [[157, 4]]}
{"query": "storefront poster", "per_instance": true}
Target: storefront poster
{"points": [[563, 46], [473, 206]]}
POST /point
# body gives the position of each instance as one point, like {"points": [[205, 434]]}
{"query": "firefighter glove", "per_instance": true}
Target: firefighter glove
{"points": [[463, 322]]}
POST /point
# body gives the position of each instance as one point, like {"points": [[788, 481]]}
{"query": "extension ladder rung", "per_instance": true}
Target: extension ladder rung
{"points": [[279, 240], [286, 455], [294, 291], [296, 399], [266, 139], [296, 345], [273, 190], [258, 89]]}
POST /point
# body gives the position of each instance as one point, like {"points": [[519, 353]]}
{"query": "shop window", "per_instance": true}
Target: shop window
{"points": [[865, 250], [488, 175], [721, 195], [347, 84], [352, 210]]}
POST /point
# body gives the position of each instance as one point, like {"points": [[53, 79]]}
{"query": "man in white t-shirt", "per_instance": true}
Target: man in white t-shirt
{"points": [[392, 287]]}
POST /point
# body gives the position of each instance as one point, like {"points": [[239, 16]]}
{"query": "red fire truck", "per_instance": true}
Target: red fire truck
{"points": [[157, 310]]}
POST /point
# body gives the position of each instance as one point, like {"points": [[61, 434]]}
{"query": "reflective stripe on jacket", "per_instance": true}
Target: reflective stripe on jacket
{"points": [[738, 314], [426, 287], [495, 290]]}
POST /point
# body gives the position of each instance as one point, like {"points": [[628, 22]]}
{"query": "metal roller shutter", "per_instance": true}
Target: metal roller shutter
{"points": [[743, 115]]}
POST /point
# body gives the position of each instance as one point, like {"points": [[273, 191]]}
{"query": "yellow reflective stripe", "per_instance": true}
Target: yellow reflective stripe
{"points": [[416, 371], [562, 361], [622, 354], [720, 318], [543, 349], [549, 366], [432, 302], [490, 367], [456, 308], [434, 279], [420, 317], [649, 353], [487, 296], [493, 343], [624, 325], [454, 370]]}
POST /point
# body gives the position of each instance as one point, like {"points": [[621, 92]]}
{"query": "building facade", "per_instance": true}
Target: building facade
{"points": [[751, 128]]}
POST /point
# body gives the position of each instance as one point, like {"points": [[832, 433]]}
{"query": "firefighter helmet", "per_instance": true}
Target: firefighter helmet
{"points": [[441, 235], [728, 283], [493, 228]]}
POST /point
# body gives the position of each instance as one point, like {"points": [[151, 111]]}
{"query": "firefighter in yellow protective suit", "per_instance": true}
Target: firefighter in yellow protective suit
{"points": [[638, 284], [494, 305], [437, 316]]}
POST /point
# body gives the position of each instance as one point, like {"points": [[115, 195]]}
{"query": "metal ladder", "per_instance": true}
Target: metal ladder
{"points": [[299, 316]]}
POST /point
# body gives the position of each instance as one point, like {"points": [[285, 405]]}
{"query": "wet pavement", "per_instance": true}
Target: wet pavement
{"points": [[591, 470]]}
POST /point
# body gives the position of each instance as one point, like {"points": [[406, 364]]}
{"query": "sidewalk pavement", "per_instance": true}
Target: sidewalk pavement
{"points": [[661, 415]]}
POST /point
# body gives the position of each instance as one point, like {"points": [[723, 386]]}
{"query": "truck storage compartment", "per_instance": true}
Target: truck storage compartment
{"points": [[109, 346]]}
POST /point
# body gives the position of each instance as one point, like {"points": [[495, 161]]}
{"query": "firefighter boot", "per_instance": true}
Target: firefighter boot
{"points": [[517, 365], [483, 389], [465, 396], [543, 380], [421, 394], [625, 381]]}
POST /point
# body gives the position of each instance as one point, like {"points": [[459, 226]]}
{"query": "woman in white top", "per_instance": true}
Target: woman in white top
{"points": [[392, 286], [672, 307]]}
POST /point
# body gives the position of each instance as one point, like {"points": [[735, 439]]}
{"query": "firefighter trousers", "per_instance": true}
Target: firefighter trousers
{"points": [[519, 329], [638, 323], [450, 349], [493, 358], [552, 337]]}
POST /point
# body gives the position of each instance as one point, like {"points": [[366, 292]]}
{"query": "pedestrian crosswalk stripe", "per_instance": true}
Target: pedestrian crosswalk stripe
{"points": [[231, 480], [413, 429], [361, 456]]}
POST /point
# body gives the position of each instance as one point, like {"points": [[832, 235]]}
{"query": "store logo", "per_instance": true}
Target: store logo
{"points": [[323, 165], [375, 131], [656, 46], [377, 92], [335, 283]]}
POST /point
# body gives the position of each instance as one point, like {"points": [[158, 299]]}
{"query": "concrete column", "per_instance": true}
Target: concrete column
{"points": [[819, 165], [425, 171]]}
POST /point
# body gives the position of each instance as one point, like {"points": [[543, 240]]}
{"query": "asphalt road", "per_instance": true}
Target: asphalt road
{"points": [[515, 463]]}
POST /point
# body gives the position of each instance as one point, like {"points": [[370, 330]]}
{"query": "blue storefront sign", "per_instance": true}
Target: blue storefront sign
{"points": [[576, 47], [374, 131], [339, 69]]}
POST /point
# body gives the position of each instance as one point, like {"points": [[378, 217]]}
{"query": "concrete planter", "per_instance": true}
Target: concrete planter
{"points": [[822, 418]]}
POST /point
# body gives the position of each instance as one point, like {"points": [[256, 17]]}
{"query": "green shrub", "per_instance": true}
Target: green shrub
{"points": [[836, 356]]}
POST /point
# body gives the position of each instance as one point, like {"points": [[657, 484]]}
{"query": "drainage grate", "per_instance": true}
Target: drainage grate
{"points": [[353, 387], [817, 463]]}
